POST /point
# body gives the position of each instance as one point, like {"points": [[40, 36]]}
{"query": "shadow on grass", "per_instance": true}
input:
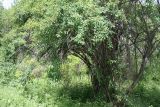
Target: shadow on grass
{"points": [[79, 96], [81, 93]]}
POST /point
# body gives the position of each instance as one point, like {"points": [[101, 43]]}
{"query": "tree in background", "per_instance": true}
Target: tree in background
{"points": [[1, 25]]}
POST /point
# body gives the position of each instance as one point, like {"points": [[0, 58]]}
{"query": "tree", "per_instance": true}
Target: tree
{"points": [[144, 28], [94, 31], [1, 25], [87, 33]]}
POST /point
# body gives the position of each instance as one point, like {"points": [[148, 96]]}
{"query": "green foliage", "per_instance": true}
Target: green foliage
{"points": [[49, 94], [11, 97], [6, 72], [148, 91], [54, 70], [71, 68], [45, 92], [147, 94], [75, 30], [54, 22]]}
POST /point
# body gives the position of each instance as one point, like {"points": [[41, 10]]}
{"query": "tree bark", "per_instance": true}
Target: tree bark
{"points": [[141, 71], [95, 84]]}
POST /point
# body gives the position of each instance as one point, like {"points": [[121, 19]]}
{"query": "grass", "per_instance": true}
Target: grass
{"points": [[44, 92], [147, 94], [71, 90], [11, 97]]}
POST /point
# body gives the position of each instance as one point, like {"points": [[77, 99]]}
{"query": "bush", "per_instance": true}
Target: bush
{"points": [[7, 71]]}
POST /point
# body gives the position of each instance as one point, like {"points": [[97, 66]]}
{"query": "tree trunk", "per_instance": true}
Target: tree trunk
{"points": [[141, 71], [128, 56], [95, 84]]}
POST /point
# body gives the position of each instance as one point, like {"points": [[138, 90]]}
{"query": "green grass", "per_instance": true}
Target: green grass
{"points": [[11, 97], [147, 94], [46, 93], [71, 90]]}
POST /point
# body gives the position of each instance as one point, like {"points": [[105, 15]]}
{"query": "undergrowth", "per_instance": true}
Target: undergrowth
{"points": [[44, 91]]}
